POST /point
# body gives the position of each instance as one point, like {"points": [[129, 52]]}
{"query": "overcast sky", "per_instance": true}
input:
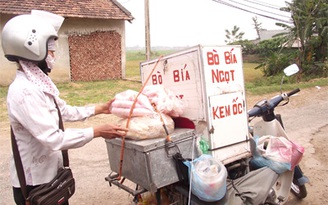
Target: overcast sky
{"points": [[192, 22]]}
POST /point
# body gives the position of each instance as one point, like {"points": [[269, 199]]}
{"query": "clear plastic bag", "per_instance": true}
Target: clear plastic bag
{"points": [[208, 178], [148, 127]]}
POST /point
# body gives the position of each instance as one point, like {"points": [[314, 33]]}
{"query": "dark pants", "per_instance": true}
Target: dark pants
{"points": [[18, 195]]}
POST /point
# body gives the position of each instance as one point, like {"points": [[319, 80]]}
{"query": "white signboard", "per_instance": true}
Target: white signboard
{"points": [[224, 79]]}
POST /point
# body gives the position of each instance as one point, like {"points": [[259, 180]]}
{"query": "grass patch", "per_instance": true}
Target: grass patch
{"points": [[275, 88], [134, 58], [250, 74], [81, 93]]}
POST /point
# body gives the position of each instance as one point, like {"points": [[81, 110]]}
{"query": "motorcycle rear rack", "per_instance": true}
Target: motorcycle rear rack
{"points": [[112, 179]]}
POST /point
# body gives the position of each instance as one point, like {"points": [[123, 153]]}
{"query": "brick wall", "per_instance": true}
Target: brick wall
{"points": [[96, 56]]}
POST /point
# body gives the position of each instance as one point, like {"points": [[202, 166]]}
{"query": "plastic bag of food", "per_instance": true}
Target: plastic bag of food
{"points": [[165, 100], [123, 102], [148, 127], [280, 149], [278, 153]]}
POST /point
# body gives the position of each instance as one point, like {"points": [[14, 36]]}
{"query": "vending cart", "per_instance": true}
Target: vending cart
{"points": [[210, 82]]}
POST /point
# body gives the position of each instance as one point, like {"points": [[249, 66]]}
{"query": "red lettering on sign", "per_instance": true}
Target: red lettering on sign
{"points": [[176, 77], [181, 75], [222, 76], [237, 109], [157, 78], [220, 112], [230, 58], [213, 58]]}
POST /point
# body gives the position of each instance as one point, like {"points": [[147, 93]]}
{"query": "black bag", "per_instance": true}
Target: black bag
{"points": [[56, 192]]}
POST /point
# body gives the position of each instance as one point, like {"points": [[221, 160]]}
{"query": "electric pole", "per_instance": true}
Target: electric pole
{"points": [[147, 30]]}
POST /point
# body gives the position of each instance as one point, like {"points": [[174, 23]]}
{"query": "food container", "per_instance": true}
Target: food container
{"points": [[149, 163]]}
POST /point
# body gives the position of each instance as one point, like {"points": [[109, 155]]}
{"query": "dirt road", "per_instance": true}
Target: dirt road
{"points": [[305, 119]]}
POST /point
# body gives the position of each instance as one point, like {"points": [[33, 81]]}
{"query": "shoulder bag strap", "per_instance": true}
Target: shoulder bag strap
{"points": [[18, 164], [18, 161], [61, 126]]}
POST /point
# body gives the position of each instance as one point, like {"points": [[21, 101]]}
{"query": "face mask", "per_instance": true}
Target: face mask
{"points": [[50, 61]]}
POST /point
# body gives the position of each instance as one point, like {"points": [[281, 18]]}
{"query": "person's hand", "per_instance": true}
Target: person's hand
{"points": [[109, 131], [104, 108]]}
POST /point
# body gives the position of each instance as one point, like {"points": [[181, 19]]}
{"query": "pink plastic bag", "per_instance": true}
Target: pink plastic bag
{"points": [[298, 151], [280, 149]]}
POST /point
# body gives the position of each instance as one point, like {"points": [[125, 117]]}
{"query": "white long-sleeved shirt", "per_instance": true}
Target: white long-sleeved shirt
{"points": [[35, 122]]}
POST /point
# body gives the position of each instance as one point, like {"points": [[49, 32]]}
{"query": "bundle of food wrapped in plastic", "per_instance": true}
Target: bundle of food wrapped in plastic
{"points": [[147, 113]]}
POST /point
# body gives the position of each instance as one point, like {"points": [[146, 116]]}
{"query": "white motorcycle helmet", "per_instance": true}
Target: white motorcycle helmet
{"points": [[26, 36]]}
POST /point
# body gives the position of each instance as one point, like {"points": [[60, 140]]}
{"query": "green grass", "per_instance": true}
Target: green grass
{"points": [[264, 86], [250, 74], [81, 93], [134, 58]]}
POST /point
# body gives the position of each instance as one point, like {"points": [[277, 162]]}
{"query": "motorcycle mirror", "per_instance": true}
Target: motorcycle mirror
{"points": [[291, 70]]}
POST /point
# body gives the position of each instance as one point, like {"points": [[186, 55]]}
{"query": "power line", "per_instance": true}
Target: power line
{"points": [[246, 10], [271, 6], [261, 9]]}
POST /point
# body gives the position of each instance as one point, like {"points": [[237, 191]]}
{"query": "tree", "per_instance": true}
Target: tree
{"points": [[233, 35], [310, 30], [257, 27], [308, 35]]}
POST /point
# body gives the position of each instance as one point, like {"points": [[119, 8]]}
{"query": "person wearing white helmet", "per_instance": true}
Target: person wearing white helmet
{"points": [[29, 40]]}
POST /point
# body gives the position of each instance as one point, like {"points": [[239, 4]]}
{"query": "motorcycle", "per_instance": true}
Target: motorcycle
{"points": [[244, 177], [271, 124]]}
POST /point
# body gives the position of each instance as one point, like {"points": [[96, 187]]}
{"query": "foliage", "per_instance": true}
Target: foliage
{"points": [[270, 46], [247, 46], [275, 64], [234, 35], [257, 26], [277, 57], [304, 43], [310, 31]]}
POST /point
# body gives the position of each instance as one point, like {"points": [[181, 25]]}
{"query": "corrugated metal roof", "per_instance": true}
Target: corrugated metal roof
{"points": [[268, 34], [96, 9]]}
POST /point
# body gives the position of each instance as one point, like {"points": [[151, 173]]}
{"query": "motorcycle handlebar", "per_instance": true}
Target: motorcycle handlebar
{"points": [[293, 92], [264, 106]]}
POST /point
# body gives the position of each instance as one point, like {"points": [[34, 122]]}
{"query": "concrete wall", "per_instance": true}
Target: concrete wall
{"points": [[7, 68], [71, 26]]}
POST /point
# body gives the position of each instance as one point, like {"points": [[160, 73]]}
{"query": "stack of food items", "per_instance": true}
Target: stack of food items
{"points": [[146, 114]]}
